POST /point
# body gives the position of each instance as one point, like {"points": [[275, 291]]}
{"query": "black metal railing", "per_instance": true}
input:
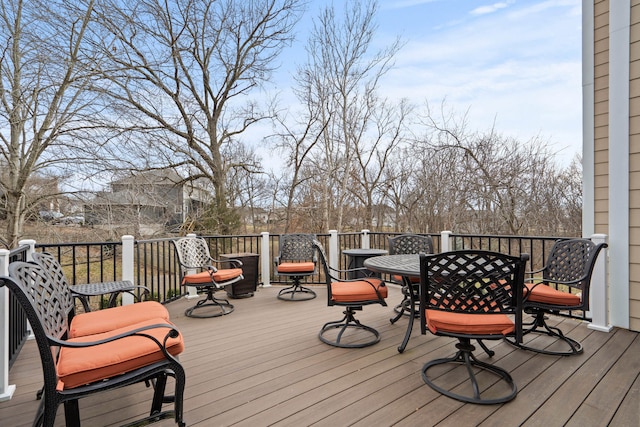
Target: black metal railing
{"points": [[18, 325]]}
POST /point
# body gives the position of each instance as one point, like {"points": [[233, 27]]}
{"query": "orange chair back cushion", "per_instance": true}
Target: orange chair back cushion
{"points": [[359, 290]]}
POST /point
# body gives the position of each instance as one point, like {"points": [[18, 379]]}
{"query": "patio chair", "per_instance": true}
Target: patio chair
{"points": [[471, 295], [564, 286], [296, 260], [351, 294], [193, 255], [74, 368], [408, 244]]}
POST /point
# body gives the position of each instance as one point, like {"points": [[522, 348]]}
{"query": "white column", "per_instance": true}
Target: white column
{"points": [[6, 390], [334, 249], [128, 266], [598, 293], [266, 260], [619, 39], [445, 241]]}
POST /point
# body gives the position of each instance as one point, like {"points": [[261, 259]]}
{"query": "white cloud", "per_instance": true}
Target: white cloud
{"points": [[483, 10]]}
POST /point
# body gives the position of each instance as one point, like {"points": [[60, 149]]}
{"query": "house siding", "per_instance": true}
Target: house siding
{"points": [[601, 116]]}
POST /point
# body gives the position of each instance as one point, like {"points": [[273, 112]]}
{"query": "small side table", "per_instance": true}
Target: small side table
{"points": [[83, 292], [357, 257]]}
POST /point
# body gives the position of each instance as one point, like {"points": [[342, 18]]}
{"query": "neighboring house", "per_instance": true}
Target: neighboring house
{"points": [[158, 197], [611, 152]]}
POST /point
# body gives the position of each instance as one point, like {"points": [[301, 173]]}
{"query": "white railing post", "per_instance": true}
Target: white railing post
{"points": [[334, 249], [128, 266], [192, 291], [32, 247], [445, 241], [366, 241], [6, 390], [266, 260], [599, 295]]}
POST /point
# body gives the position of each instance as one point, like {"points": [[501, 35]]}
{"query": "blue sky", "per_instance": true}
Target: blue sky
{"points": [[513, 62]]}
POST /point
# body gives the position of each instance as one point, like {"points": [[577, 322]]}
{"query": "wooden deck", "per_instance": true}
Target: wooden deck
{"points": [[264, 365]]}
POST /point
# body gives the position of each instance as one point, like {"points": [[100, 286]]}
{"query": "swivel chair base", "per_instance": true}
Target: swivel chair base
{"points": [[574, 347], [465, 356], [296, 292], [223, 307], [348, 323]]}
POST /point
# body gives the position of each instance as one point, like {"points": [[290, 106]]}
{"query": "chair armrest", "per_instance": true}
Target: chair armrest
{"points": [[172, 333]]}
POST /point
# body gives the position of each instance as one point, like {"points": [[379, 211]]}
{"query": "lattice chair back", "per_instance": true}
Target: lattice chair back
{"points": [[46, 302], [473, 282], [59, 280], [571, 262], [323, 262], [410, 244], [297, 247], [193, 253]]}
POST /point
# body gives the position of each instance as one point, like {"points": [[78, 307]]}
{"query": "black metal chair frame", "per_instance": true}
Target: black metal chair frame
{"points": [[47, 308], [478, 283], [193, 254], [348, 322], [297, 247], [570, 263], [409, 244]]}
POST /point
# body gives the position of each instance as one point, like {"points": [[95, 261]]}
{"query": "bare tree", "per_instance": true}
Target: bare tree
{"points": [[509, 186], [341, 77], [45, 109], [189, 73]]}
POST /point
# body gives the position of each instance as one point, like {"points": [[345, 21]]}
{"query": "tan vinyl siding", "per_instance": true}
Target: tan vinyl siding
{"points": [[634, 168], [601, 117]]}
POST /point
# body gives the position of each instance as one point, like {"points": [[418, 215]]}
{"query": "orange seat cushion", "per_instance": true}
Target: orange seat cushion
{"points": [[96, 322], [296, 267], [412, 279], [359, 290], [204, 277], [547, 295], [79, 366], [465, 323]]}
